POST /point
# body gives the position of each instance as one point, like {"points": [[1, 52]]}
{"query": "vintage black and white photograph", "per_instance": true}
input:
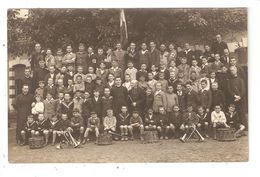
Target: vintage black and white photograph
{"points": [[127, 85]]}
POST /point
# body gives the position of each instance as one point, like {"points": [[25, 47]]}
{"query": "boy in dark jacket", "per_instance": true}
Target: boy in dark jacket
{"points": [[191, 119], [64, 127], [163, 123], [93, 125], [137, 123], [204, 120], [43, 126], [176, 120], [54, 128], [77, 124], [191, 96], [66, 106], [205, 96], [233, 120], [148, 99], [181, 97], [29, 129], [123, 122], [106, 101], [150, 120]]}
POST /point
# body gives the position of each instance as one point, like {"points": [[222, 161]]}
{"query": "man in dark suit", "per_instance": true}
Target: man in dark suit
{"points": [[225, 59], [237, 92], [191, 96], [219, 45], [181, 97], [188, 53], [92, 58], [37, 55], [240, 71], [119, 55], [136, 98], [52, 74], [155, 54], [96, 104], [132, 55], [50, 88], [81, 58], [27, 80], [119, 94], [39, 73], [22, 104]]}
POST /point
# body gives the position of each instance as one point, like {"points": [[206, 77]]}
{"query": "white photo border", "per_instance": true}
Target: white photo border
{"points": [[184, 169]]}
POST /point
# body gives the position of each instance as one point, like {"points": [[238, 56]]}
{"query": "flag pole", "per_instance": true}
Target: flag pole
{"points": [[123, 29]]}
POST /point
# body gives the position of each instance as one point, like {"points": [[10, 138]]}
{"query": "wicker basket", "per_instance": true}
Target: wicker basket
{"points": [[36, 142], [104, 139], [226, 134], [150, 137]]}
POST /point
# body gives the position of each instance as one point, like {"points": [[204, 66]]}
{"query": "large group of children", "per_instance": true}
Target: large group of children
{"points": [[168, 90]]}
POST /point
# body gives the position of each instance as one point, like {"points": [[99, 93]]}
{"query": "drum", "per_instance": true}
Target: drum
{"points": [[36, 142], [104, 139], [226, 134], [150, 137]]}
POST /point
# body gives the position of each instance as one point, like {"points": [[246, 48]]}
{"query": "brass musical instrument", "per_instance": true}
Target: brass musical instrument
{"points": [[69, 138]]}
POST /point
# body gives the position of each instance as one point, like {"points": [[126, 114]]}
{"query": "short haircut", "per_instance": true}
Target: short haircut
{"points": [[30, 116], [188, 83], [79, 76], [232, 105], [204, 81], [199, 107]]}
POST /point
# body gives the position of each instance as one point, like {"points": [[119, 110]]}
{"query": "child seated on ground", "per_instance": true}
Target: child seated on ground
{"points": [[218, 120], [43, 126], [136, 122], [109, 122], [92, 126], [175, 120], [204, 120], [162, 123], [190, 119], [150, 120], [123, 123], [234, 122], [64, 128], [77, 124], [29, 129], [54, 128]]}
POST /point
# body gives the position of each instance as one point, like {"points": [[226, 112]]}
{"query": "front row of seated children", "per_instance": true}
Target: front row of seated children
{"points": [[177, 123]]}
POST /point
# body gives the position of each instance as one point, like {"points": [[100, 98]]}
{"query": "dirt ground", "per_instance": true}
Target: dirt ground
{"points": [[133, 151]]}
